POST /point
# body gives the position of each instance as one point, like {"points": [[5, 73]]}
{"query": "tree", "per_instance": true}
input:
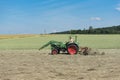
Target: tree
{"points": [[90, 31]]}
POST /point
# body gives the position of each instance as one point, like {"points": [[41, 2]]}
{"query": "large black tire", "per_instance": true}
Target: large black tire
{"points": [[54, 51], [72, 48]]}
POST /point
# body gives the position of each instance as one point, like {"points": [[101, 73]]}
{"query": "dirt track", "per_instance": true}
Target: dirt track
{"points": [[39, 65]]}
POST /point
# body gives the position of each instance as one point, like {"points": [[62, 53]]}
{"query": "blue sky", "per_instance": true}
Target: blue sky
{"points": [[39, 16]]}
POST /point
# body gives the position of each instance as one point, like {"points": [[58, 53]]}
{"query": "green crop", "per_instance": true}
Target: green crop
{"points": [[35, 42]]}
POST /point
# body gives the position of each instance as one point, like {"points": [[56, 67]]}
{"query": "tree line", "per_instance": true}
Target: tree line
{"points": [[91, 30]]}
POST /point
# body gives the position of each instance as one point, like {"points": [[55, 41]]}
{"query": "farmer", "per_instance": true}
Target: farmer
{"points": [[71, 39]]}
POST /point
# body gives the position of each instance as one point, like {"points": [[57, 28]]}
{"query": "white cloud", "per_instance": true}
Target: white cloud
{"points": [[96, 18], [118, 7]]}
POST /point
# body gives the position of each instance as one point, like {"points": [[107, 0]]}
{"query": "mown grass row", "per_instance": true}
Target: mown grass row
{"points": [[36, 41], [16, 36]]}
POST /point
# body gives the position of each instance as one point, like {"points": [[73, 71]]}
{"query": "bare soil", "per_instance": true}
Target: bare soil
{"points": [[39, 65]]}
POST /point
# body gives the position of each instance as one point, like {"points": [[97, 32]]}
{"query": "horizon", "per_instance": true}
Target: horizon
{"points": [[47, 16]]}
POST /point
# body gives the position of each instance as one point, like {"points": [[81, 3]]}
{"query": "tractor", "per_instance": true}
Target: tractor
{"points": [[71, 47]]}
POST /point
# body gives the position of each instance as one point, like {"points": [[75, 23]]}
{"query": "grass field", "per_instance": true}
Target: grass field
{"points": [[15, 36], [30, 64], [36, 41]]}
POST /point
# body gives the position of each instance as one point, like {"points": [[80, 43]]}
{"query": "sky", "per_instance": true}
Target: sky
{"points": [[46, 16]]}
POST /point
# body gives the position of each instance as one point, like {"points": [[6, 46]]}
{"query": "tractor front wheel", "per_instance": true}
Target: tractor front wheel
{"points": [[54, 52]]}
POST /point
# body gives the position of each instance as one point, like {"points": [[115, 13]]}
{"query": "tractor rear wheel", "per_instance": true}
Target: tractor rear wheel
{"points": [[72, 49], [54, 52]]}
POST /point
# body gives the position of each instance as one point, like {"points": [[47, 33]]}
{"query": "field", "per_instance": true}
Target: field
{"points": [[36, 41], [39, 65], [20, 59]]}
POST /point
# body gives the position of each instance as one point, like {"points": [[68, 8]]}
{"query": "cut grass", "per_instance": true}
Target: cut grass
{"points": [[36, 41], [16, 36]]}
